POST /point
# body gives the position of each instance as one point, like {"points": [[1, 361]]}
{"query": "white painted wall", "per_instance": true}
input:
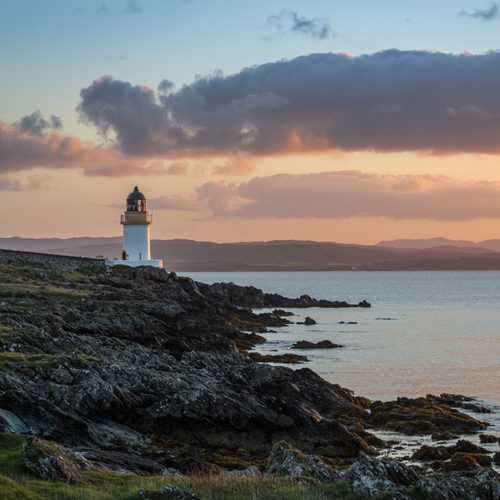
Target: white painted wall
{"points": [[136, 241]]}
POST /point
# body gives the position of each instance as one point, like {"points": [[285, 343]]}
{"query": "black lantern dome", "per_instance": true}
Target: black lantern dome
{"points": [[136, 201]]}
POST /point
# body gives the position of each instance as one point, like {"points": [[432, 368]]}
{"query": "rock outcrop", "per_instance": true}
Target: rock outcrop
{"points": [[89, 357]]}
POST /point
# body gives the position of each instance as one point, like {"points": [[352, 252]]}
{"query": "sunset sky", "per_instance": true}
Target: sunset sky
{"points": [[323, 120]]}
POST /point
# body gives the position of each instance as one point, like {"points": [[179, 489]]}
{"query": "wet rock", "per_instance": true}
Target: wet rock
{"points": [[496, 457], [487, 438], [168, 492], [282, 312], [428, 453], [461, 462], [422, 416], [277, 358], [464, 446], [443, 436], [371, 477], [46, 461], [323, 344], [307, 321], [288, 461]]}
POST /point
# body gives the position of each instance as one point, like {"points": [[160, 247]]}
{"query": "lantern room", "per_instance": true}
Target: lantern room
{"points": [[136, 201]]}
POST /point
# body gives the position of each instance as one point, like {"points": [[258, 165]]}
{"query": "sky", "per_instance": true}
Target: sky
{"points": [[324, 120]]}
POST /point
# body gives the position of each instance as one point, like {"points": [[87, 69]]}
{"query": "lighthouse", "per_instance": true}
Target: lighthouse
{"points": [[136, 222]]}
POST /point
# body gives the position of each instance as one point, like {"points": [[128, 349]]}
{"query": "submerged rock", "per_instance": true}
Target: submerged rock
{"points": [[323, 344]]}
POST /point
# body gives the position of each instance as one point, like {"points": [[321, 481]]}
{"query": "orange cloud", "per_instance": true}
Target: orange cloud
{"points": [[236, 166]]}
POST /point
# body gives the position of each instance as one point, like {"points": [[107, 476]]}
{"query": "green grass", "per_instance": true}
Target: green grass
{"points": [[32, 360], [16, 483], [49, 291], [105, 486]]}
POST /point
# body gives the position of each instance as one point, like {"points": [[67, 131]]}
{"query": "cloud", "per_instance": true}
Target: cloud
{"points": [[389, 101], [103, 9], [133, 7], [184, 168], [111, 57], [487, 14], [35, 124], [10, 184], [236, 166], [290, 21], [344, 194], [33, 183], [24, 146]]}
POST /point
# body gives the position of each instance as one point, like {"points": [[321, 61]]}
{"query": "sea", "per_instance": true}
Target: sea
{"points": [[427, 332]]}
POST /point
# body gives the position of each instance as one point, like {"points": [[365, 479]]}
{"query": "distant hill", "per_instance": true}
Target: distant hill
{"points": [[493, 245], [281, 255]]}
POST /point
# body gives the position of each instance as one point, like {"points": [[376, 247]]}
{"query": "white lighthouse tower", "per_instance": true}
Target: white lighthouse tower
{"points": [[136, 222]]}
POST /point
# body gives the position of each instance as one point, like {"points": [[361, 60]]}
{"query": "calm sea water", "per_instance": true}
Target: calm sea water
{"points": [[426, 332]]}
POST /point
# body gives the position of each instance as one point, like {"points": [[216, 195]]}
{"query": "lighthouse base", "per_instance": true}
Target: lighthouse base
{"points": [[135, 263]]}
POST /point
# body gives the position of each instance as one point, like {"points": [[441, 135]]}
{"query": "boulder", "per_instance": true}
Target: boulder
{"points": [[371, 477], [292, 463], [47, 461]]}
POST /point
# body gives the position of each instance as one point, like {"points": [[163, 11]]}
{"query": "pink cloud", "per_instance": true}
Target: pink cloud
{"points": [[334, 195]]}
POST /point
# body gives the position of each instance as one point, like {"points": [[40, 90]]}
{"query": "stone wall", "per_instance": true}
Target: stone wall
{"points": [[50, 261]]}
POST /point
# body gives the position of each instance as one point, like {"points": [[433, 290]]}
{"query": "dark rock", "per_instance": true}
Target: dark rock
{"points": [[118, 461], [249, 296], [428, 453], [487, 438], [324, 344], [282, 312], [285, 460], [193, 466], [461, 462], [371, 477], [277, 358], [46, 461], [463, 446], [107, 362], [307, 321], [422, 416], [443, 436]]}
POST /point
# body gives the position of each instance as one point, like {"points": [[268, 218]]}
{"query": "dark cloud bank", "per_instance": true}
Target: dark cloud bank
{"points": [[389, 101]]}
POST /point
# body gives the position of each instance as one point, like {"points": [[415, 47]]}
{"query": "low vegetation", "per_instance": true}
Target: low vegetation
{"points": [[17, 484]]}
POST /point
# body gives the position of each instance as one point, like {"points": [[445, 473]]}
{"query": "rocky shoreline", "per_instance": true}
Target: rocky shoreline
{"points": [[142, 371]]}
